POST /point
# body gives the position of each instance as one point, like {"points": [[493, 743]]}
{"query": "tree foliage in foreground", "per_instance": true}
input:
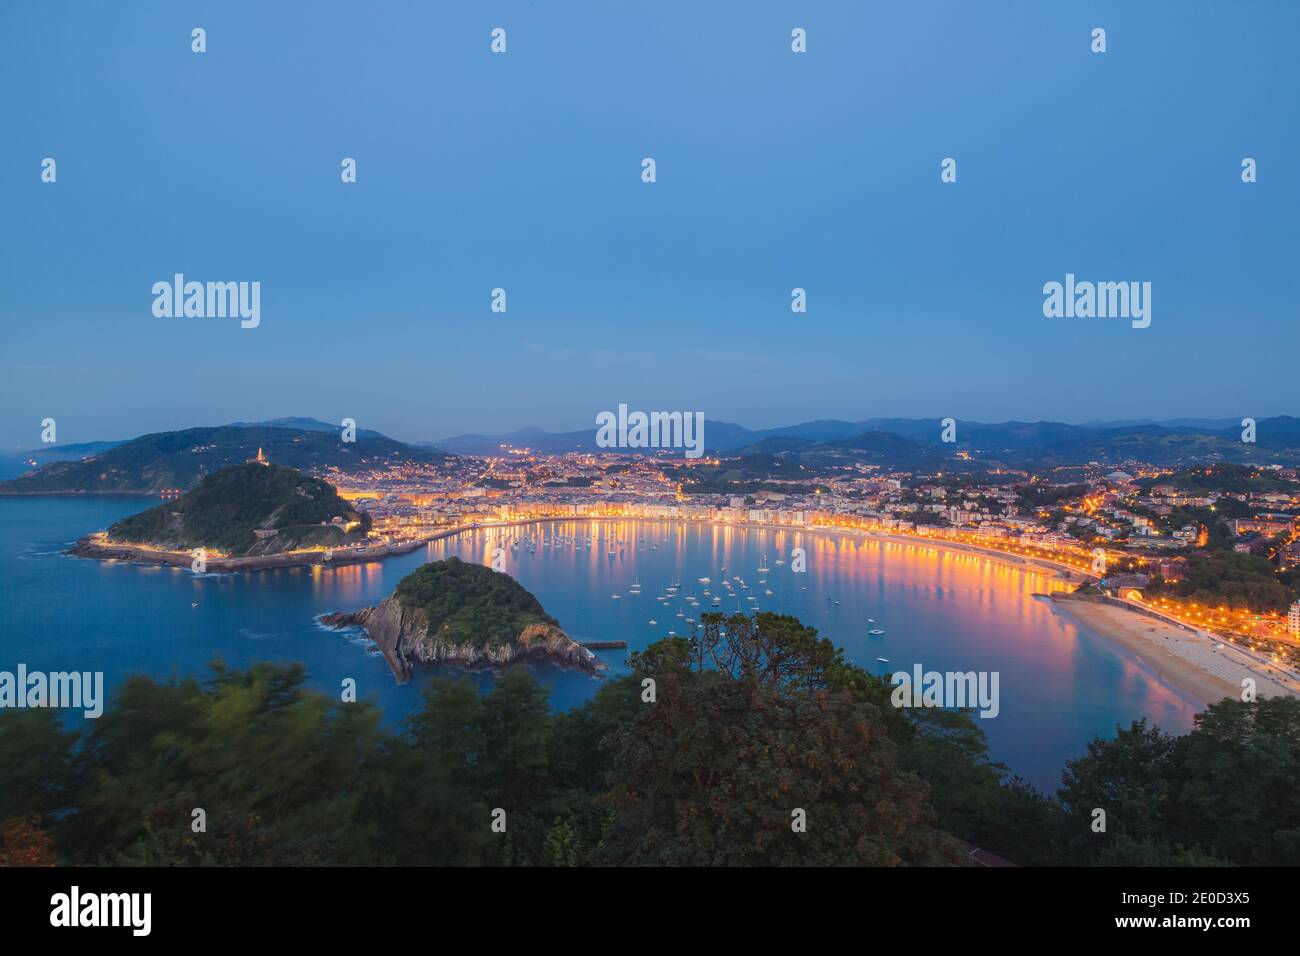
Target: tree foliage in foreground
{"points": [[753, 720]]}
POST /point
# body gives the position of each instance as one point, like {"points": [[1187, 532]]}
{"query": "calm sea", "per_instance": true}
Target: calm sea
{"points": [[1059, 685]]}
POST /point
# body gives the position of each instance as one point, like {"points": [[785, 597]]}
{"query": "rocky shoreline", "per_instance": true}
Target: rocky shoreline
{"points": [[108, 551], [75, 492], [403, 638]]}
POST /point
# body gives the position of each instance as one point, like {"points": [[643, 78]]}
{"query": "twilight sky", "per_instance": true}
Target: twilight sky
{"points": [[523, 171]]}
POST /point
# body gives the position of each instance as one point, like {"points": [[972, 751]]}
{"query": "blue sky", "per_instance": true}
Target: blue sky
{"points": [[522, 171]]}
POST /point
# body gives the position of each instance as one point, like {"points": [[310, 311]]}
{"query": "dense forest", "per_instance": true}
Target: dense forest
{"points": [[706, 754]]}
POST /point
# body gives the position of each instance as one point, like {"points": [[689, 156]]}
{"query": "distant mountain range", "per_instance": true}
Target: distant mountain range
{"points": [[306, 424], [179, 460], [886, 449], [918, 440]]}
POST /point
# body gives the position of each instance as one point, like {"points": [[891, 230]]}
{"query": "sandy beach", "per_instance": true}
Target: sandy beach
{"points": [[1186, 661]]}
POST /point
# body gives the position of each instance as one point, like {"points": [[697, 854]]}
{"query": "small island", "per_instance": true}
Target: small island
{"points": [[464, 615], [245, 517]]}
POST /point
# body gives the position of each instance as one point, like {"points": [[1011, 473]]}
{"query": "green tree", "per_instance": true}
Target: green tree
{"points": [[1236, 782], [749, 728], [36, 765], [1129, 778], [561, 847], [254, 750], [1127, 851]]}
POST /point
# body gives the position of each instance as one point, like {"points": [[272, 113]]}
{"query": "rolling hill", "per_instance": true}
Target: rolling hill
{"points": [[1182, 441], [247, 510], [179, 460]]}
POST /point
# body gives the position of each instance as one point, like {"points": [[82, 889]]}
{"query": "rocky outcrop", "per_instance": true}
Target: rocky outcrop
{"points": [[402, 634]]}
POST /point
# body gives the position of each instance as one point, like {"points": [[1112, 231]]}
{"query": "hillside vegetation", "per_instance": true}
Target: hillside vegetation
{"points": [[179, 460], [470, 603], [227, 509]]}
